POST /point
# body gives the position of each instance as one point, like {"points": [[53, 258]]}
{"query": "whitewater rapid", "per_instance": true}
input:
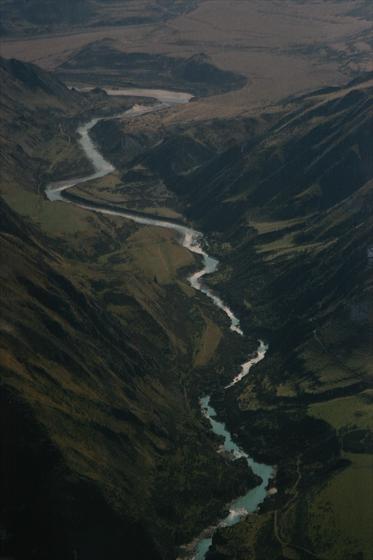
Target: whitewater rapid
{"points": [[192, 240]]}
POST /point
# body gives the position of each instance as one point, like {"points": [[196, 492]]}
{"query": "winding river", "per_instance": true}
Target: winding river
{"points": [[193, 241]]}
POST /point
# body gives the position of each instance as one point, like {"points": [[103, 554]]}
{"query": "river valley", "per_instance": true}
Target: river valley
{"points": [[193, 241]]}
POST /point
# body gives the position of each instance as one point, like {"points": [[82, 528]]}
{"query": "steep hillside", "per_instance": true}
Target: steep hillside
{"points": [[39, 116], [289, 208], [66, 419], [98, 379], [297, 208], [30, 99]]}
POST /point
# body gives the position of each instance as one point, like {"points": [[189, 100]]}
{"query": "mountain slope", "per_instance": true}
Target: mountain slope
{"points": [[88, 340], [297, 206], [289, 209], [96, 415]]}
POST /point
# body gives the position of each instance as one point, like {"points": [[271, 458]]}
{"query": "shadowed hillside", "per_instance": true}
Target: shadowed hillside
{"points": [[96, 415], [289, 209], [296, 207], [102, 63]]}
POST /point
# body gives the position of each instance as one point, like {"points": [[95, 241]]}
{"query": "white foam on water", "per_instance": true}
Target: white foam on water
{"points": [[246, 366]]}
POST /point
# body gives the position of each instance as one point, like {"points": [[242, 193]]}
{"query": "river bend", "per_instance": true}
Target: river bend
{"points": [[192, 240]]}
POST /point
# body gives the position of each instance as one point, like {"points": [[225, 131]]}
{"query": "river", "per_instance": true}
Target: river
{"points": [[192, 240]]}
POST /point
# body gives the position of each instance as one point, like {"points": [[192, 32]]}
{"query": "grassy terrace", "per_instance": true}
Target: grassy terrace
{"points": [[344, 503]]}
